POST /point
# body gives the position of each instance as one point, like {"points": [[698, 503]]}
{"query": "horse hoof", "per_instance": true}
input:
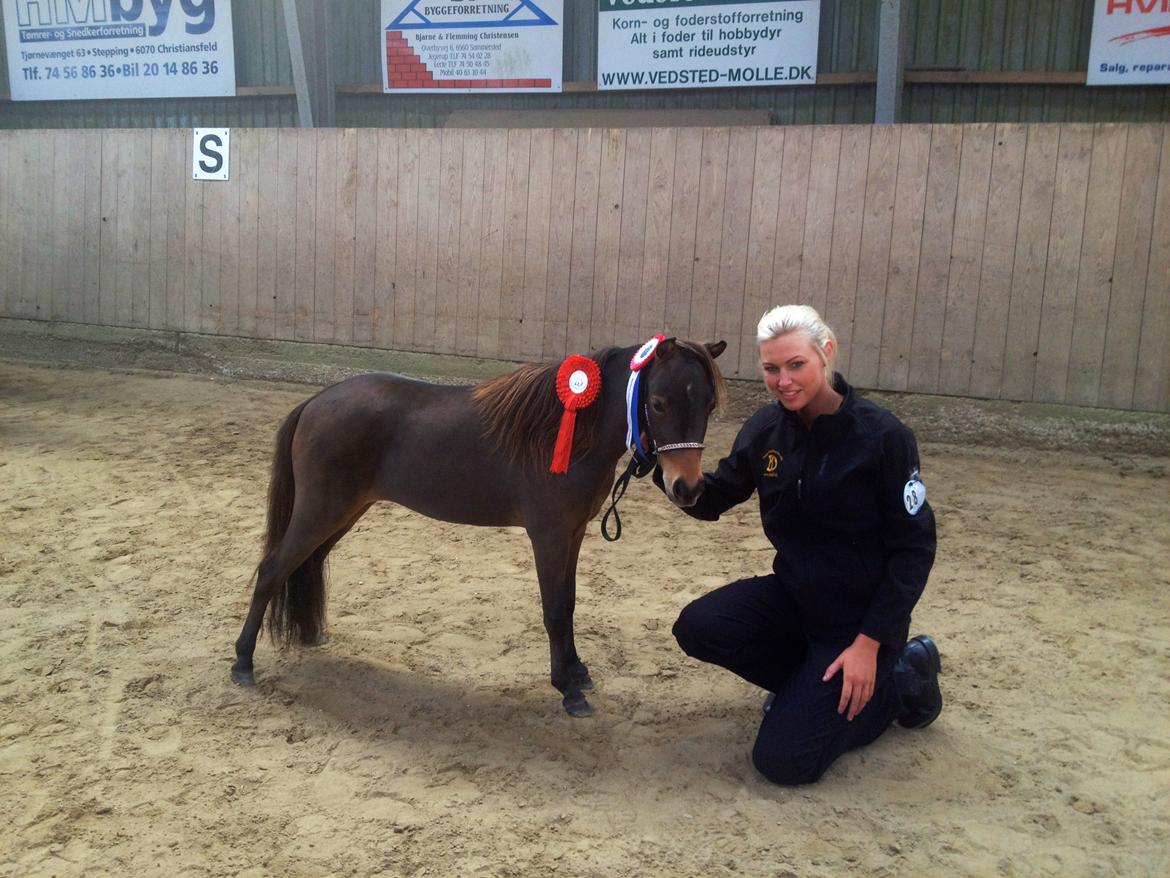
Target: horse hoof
{"points": [[243, 678], [576, 705], [319, 640]]}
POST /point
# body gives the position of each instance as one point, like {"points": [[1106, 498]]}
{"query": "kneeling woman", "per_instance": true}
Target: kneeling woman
{"points": [[842, 500]]}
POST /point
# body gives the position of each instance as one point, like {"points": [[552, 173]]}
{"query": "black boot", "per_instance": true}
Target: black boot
{"points": [[916, 678]]}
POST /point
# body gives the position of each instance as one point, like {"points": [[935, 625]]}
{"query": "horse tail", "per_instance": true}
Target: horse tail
{"points": [[297, 607]]}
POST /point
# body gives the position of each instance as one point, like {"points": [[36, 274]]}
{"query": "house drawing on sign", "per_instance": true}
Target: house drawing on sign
{"points": [[409, 49], [526, 14]]}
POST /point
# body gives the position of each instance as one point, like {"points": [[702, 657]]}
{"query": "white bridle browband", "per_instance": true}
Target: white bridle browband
{"points": [[678, 446]]}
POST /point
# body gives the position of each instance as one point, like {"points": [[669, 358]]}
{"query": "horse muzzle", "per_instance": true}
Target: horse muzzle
{"points": [[682, 476], [683, 495]]}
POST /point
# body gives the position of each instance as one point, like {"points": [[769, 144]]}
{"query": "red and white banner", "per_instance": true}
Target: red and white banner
{"points": [[472, 45], [1131, 43]]}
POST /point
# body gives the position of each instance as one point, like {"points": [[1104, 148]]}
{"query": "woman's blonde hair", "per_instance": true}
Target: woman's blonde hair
{"points": [[784, 319]]}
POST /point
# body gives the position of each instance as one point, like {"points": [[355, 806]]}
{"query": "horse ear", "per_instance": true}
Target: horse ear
{"points": [[665, 348], [715, 348]]}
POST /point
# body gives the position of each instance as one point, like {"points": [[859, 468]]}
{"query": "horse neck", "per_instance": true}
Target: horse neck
{"points": [[614, 376]]}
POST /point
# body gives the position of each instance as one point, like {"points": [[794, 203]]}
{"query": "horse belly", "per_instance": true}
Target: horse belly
{"points": [[468, 508], [459, 489]]}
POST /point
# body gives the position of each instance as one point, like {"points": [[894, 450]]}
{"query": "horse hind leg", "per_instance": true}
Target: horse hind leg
{"points": [[292, 574]]}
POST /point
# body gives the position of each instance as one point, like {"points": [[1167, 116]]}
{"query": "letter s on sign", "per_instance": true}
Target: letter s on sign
{"points": [[210, 146], [210, 155]]}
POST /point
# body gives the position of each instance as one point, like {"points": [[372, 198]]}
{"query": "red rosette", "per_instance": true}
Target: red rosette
{"points": [[578, 383]]}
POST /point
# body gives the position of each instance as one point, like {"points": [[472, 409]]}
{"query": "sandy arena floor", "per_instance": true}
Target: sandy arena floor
{"points": [[424, 739]]}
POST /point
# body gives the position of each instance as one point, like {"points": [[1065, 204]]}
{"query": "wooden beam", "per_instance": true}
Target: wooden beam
{"points": [[997, 77], [292, 29], [860, 77], [891, 62], [361, 88], [254, 91], [307, 26], [918, 77]]}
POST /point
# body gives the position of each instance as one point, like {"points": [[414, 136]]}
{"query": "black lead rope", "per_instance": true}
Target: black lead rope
{"points": [[637, 469]]}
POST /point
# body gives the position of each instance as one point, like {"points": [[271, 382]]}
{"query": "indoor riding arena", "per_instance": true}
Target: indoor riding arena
{"points": [[971, 192]]}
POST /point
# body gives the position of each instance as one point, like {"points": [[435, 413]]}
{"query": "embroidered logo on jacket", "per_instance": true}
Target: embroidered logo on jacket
{"points": [[772, 463]]}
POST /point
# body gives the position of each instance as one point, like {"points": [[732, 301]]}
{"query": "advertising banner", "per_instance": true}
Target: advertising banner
{"points": [[472, 45], [68, 50], [1131, 43], [706, 43]]}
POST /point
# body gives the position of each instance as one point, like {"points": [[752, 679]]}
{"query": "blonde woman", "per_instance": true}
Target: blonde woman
{"points": [[842, 500]]}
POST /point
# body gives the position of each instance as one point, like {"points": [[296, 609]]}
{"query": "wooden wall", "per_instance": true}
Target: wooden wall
{"points": [[1027, 262]]}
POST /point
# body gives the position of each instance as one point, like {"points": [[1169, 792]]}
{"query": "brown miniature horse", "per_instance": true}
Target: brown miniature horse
{"points": [[470, 455]]}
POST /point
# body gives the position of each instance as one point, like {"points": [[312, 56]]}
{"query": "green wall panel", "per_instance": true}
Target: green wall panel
{"points": [[949, 35]]}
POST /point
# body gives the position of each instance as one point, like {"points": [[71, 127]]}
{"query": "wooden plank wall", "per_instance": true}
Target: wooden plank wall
{"points": [[1026, 262]]}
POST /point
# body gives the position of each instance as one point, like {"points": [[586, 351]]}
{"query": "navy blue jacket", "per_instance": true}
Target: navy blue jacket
{"points": [[845, 508]]}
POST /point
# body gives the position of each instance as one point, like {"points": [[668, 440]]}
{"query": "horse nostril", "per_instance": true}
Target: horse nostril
{"points": [[687, 495]]}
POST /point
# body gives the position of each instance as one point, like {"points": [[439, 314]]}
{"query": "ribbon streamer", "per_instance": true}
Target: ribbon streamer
{"points": [[578, 383], [644, 355]]}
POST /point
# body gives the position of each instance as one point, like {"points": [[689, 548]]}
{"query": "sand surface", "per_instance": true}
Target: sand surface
{"points": [[424, 739]]}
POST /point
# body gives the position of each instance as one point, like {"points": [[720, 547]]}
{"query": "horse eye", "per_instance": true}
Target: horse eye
{"points": [[657, 405]]}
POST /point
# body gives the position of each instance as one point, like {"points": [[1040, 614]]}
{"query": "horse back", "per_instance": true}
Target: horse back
{"points": [[411, 442]]}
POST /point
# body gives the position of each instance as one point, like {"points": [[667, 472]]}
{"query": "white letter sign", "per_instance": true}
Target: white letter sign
{"points": [[209, 156]]}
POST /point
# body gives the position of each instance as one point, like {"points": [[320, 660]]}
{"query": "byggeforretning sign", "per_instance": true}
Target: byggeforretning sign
{"points": [[645, 44], [68, 50], [452, 46]]}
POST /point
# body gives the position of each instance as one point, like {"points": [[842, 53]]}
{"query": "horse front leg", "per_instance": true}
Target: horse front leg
{"points": [[556, 555], [577, 670]]}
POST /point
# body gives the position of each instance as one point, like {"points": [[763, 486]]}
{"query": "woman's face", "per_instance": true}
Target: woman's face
{"points": [[793, 370]]}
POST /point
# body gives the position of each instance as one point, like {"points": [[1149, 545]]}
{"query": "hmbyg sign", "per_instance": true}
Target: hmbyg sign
{"points": [[68, 50]]}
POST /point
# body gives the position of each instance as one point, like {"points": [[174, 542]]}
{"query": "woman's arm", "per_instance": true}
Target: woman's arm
{"points": [[730, 484], [908, 535]]}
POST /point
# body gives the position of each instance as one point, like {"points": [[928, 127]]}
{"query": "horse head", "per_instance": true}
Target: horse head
{"points": [[685, 387]]}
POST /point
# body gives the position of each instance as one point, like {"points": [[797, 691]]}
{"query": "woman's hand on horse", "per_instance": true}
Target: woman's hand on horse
{"points": [[858, 664]]}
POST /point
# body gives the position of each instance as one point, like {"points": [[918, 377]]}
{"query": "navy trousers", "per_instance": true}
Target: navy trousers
{"points": [[752, 628]]}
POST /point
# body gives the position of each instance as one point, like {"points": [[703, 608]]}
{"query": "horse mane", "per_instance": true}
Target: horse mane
{"points": [[522, 412]]}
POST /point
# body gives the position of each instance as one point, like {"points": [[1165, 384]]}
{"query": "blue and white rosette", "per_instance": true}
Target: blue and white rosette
{"points": [[644, 355]]}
